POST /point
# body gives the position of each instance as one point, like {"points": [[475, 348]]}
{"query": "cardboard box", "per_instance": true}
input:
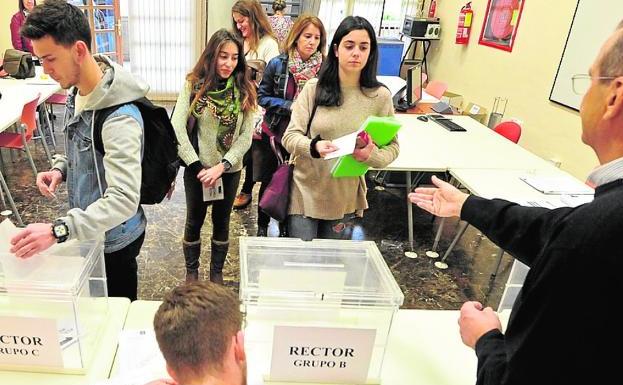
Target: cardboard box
{"points": [[454, 100], [477, 112]]}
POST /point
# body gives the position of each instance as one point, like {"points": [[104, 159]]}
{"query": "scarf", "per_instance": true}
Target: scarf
{"points": [[224, 105], [304, 70]]}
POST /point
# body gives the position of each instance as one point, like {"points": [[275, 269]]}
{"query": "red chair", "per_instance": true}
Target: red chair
{"points": [[436, 88], [510, 130], [26, 132]]}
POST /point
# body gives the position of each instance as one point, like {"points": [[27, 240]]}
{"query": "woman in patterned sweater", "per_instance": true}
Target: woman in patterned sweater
{"points": [[219, 101]]}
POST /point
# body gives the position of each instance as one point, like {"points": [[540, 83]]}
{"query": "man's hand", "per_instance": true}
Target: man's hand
{"points": [[476, 321], [47, 182], [35, 238], [325, 147], [209, 176], [443, 201], [363, 154]]}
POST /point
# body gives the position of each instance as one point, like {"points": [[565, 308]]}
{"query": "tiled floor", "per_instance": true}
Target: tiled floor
{"points": [[161, 264]]}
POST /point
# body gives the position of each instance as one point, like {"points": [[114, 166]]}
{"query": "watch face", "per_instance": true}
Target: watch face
{"points": [[60, 230]]}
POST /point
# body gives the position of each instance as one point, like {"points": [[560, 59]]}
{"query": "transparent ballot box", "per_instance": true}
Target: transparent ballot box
{"points": [[53, 307], [315, 312]]}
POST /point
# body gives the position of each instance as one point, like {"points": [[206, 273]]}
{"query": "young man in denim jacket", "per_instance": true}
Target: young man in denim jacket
{"points": [[104, 190]]}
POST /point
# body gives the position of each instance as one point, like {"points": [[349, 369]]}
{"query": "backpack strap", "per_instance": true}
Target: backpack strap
{"points": [[283, 78]]}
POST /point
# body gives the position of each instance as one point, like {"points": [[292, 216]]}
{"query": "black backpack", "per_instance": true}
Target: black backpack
{"points": [[160, 160]]}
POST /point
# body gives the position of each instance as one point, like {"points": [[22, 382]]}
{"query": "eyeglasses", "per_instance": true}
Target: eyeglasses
{"points": [[582, 82]]}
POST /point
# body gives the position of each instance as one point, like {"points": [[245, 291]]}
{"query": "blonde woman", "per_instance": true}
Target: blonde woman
{"points": [[250, 24], [283, 81]]}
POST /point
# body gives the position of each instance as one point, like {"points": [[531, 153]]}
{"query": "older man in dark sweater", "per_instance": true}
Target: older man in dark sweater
{"points": [[564, 327]]}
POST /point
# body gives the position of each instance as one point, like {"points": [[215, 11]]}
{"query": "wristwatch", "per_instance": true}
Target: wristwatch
{"points": [[226, 165], [60, 230]]}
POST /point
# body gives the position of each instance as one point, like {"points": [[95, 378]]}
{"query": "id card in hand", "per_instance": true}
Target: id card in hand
{"points": [[215, 192]]}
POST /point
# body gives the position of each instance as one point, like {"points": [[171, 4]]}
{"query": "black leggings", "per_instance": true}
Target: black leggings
{"points": [[247, 185], [196, 208]]}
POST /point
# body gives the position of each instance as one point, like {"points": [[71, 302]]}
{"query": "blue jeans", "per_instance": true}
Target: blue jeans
{"points": [[306, 228]]}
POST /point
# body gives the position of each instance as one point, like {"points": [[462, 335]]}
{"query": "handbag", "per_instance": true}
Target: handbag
{"points": [[256, 68], [18, 64], [276, 198]]}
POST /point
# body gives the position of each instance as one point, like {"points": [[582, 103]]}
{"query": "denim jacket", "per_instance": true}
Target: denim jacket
{"points": [[104, 191]]}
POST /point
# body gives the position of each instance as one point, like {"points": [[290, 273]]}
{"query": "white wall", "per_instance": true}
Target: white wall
{"points": [[525, 76], [219, 15]]}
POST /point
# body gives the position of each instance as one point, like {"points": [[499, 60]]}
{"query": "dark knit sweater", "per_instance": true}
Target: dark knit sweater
{"points": [[564, 327]]}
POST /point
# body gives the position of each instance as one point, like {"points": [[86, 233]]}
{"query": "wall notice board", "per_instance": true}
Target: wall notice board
{"points": [[593, 22]]}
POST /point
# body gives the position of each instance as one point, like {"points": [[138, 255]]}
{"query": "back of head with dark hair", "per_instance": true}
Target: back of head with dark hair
{"points": [[194, 327], [328, 92], [64, 22]]}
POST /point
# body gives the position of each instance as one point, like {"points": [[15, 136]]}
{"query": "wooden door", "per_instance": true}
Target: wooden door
{"points": [[105, 22]]}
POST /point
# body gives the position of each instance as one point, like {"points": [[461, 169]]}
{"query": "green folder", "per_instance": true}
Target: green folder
{"points": [[382, 130]]}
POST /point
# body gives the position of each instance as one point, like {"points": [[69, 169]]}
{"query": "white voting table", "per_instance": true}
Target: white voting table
{"points": [[506, 184], [17, 92], [429, 147], [102, 360], [424, 347]]}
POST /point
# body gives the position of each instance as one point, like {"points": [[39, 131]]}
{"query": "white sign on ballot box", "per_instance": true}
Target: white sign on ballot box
{"points": [[29, 342], [315, 354]]}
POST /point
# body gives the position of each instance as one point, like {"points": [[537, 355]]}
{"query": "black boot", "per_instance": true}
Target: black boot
{"points": [[262, 231], [283, 229], [192, 251], [219, 253]]}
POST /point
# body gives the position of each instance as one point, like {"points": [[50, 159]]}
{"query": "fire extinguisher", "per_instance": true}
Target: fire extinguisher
{"points": [[465, 24], [432, 8]]}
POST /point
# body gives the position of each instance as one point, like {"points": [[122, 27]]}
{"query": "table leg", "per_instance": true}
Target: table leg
{"points": [[409, 211]]}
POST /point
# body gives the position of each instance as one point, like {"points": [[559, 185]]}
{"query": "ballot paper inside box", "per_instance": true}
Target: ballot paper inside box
{"points": [[315, 312], [52, 307]]}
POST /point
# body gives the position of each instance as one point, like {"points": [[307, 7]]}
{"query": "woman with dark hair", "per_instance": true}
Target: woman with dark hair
{"points": [[19, 42], [336, 104], [250, 24], [283, 80], [219, 101], [280, 23]]}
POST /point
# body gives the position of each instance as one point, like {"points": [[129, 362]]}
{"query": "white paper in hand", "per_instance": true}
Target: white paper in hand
{"points": [[345, 145], [214, 193]]}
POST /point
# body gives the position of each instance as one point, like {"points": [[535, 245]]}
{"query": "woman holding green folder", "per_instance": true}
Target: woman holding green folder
{"points": [[336, 104]]}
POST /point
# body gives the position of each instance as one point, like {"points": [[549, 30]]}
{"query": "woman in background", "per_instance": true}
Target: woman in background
{"points": [[219, 96], [283, 81], [338, 102], [250, 23], [19, 42], [280, 23]]}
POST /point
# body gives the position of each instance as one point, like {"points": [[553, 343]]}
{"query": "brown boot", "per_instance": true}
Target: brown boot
{"points": [[192, 251], [216, 277], [217, 261], [192, 276]]}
